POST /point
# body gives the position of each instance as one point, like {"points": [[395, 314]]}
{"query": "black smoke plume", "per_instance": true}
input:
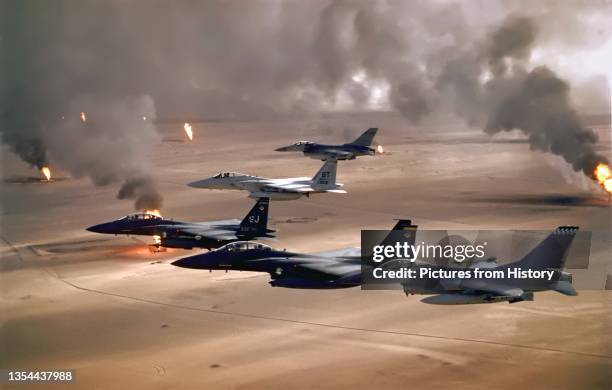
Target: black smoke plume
{"points": [[540, 107], [535, 101], [144, 190], [110, 145]]}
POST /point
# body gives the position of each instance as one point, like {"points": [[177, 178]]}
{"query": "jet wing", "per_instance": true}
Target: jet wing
{"points": [[223, 222], [345, 252], [292, 184], [218, 234], [337, 152], [336, 269], [328, 268], [288, 187], [490, 286], [214, 231]]}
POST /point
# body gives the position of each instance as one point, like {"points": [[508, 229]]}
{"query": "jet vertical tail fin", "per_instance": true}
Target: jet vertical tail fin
{"points": [[255, 224], [552, 251], [403, 232], [325, 178], [401, 225], [564, 287], [366, 138]]}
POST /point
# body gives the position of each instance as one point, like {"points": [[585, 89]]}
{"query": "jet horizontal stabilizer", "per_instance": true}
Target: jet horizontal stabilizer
{"points": [[565, 288]]}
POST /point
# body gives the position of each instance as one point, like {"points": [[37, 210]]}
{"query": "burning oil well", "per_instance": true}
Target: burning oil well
{"points": [[188, 131]]}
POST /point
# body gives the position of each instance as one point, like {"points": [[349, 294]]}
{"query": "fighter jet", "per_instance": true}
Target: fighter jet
{"points": [[323, 270], [348, 151], [276, 189], [188, 235], [547, 256]]}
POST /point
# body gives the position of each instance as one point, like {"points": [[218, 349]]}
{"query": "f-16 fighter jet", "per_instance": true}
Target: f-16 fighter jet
{"points": [[544, 263], [276, 189], [348, 151], [187, 235], [324, 270]]}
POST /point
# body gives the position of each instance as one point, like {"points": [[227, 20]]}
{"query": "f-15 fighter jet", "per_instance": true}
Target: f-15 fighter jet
{"points": [[323, 270], [348, 151], [546, 259], [188, 235], [276, 189]]}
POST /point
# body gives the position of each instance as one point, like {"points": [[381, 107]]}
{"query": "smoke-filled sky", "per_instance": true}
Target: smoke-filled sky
{"points": [[499, 65]]}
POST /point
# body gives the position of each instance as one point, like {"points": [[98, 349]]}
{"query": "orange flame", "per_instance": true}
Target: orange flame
{"points": [[380, 149], [188, 131], [46, 172], [154, 212], [603, 175], [83, 117]]}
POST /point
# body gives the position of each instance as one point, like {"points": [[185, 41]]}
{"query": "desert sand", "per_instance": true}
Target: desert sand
{"points": [[122, 317]]}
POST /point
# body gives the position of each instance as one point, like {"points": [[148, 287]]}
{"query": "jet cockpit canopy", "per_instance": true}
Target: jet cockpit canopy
{"points": [[142, 217], [221, 175], [241, 246]]}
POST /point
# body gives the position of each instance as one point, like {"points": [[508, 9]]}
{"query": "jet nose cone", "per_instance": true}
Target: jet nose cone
{"points": [[179, 263], [282, 149], [100, 228], [204, 183], [201, 261], [186, 262]]}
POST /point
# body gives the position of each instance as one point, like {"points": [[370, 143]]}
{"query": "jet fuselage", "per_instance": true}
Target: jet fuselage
{"points": [[324, 152]]}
